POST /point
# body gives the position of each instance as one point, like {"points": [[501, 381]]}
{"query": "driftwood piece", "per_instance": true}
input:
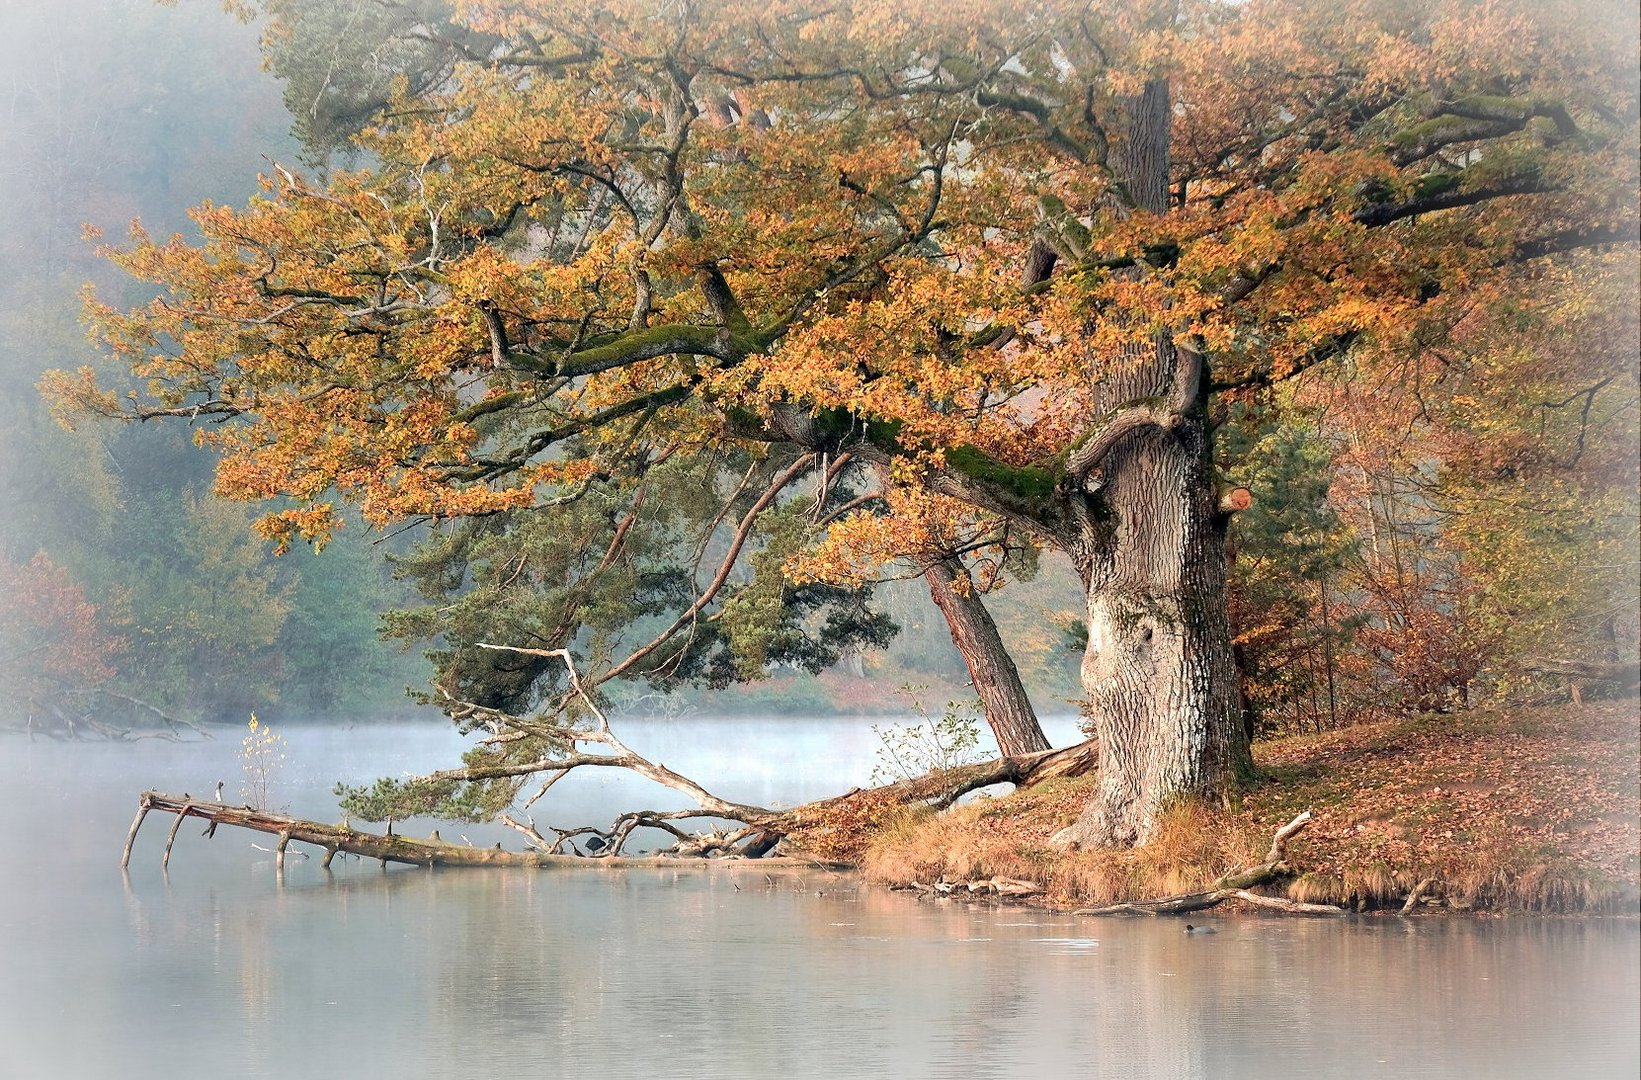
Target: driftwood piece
{"points": [[1182, 904], [1294, 907], [131, 836], [171, 838], [994, 886], [1236, 885], [1416, 895], [403, 849]]}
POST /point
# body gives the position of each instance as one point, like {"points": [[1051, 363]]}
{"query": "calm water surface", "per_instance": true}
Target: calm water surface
{"points": [[219, 971]]}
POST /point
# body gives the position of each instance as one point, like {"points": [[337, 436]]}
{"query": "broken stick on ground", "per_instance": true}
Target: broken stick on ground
{"points": [[1237, 885]]}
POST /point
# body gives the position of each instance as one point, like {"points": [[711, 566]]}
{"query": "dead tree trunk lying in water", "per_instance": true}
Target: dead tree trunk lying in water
{"points": [[386, 847], [554, 746], [762, 829]]}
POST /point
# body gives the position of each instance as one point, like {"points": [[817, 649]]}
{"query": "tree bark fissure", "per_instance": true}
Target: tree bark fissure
{"points": [[1158, 669]]}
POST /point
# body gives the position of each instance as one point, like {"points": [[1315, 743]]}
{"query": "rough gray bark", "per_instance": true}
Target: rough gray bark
{"points": [[1003, 697], [1150, 549], [1158, 669]]}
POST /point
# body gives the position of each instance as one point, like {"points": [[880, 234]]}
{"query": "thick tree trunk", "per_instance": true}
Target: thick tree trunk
{"points": [[1158, 670], [1003, 697]]}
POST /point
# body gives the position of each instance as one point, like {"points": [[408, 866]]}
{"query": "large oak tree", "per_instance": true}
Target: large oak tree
{"points": [[1008, 252]]}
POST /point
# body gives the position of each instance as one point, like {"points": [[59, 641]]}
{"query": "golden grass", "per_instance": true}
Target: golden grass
{"points": [[1532, 811], [919, 845], [1193, 846], [1520, 881], [1315, 888], [1510, 885]]}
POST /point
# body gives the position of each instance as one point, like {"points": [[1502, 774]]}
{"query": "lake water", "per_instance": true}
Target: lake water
{"points": [[217, 970]]}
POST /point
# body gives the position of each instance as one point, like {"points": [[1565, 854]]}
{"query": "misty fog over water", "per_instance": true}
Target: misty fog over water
{"points": [[115, 109], [218, 970]]}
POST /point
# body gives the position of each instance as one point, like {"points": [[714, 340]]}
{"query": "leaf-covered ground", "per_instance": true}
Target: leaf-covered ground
{"points": [[1512, 810]]}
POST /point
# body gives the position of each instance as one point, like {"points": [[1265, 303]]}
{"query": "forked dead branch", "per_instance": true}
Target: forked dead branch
{"points": [[758, 839], [807, 835], [386, 847], [813, 833]]}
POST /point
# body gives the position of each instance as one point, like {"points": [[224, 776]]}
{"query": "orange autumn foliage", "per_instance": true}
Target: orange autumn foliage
{"points": [[558, 264], [51, 638]]}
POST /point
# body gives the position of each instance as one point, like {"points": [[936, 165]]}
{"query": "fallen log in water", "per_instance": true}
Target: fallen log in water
{"points": [[401, 849], [765, 827]]}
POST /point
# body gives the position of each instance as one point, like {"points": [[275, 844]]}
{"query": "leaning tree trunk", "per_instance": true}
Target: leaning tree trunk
{"points": [[1158, 671], [1002, 696]]}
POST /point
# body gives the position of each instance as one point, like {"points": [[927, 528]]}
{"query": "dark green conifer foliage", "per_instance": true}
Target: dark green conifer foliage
{"points": [[1291, 552], [610, 571]]}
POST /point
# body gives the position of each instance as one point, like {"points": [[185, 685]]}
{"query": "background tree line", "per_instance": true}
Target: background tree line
{"points": [[119, 570]]}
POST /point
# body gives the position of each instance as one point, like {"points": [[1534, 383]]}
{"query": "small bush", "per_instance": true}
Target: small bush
{"points": [[261, 756], [930, 745]]}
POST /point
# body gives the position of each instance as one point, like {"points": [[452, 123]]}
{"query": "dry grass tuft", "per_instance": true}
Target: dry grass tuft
{"points": [[1376, 883], [1193, 846], [921, 845], [1314, 888], [1526, 810], [893, 855], [1517, 881], [1093, 877]]}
